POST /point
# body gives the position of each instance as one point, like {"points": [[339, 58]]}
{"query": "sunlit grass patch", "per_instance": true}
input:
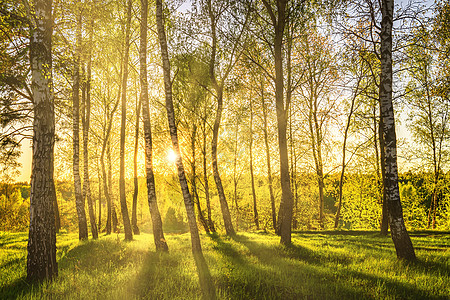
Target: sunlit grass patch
{"points": [[248, 266]]}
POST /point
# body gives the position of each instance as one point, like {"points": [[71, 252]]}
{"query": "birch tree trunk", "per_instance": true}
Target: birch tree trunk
{"points": [[189, 204], [79, 200], [158, 235], [399, 234], [86, 116], [41, 259], [205, 279], [384, 227], [123, 199]]}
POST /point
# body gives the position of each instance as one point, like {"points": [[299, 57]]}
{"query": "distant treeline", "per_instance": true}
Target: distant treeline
{"points": [[361, 205]]}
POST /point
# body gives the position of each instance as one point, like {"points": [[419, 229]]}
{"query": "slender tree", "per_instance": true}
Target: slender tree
{"points": [[236, 175], [267, 148], [205, 171], [278, 19], [252, 176], [399, 234], [135, 165], [158, 235], [201, 217], [218, 86], [99, 180], [79, 200], [85, 117], [123, 199], [206, 283], [41, 259], [344, 150], [189, 204], [105, 175]]}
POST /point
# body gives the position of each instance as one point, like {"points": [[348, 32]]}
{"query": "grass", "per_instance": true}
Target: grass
{"points": [[319, 265]]}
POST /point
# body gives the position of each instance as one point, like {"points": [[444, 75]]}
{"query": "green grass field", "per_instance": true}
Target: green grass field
{"points": [[319, 265]]}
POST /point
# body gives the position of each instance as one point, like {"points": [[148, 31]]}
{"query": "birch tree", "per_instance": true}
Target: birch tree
{"points": [[206, 283], [79, 200], [158, 235], [123, 200], [399, 234], [41, 259]]}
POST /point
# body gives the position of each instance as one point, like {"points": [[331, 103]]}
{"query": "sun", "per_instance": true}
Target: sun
{"points": [[171, 156]]}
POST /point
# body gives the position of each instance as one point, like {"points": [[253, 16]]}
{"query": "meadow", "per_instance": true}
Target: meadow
{"points": [[319, 265]]}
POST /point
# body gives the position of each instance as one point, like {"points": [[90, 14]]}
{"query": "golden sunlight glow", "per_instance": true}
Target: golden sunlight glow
{"points": [[171, 156]]}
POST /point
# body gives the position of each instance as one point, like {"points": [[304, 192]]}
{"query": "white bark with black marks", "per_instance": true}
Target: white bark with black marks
{"points": [[205, 279], [399, 234], [158, 234], [41, 259]]}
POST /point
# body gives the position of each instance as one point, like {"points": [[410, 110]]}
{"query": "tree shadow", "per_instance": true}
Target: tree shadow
{"points": [[156, 267], [263, 280], [17, 288], [313, 259], [204, 275]]}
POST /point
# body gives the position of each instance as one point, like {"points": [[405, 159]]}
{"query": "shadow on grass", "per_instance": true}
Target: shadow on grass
{"points": [[94, 254], [17, 288], [205, 279], [87, 256], [274, 277], [163, 276], [339, 278], [337, 232]]}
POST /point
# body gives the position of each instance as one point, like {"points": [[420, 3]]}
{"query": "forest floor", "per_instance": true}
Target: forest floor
{"points": [[319, 265]]}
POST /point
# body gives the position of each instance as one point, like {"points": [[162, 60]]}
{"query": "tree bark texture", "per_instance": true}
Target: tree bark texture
{"points": [[158, 235], [56, 211], [384, 227], [122, 192], [79, 200], [399, 234], [41, 259]]}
